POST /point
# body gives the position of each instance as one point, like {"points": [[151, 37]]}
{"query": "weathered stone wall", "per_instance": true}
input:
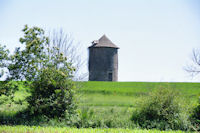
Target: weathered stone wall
{"points": [[103, 64]]}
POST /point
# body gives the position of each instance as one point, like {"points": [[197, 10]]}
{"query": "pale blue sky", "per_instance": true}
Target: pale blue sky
{"points": [[156, 37]]}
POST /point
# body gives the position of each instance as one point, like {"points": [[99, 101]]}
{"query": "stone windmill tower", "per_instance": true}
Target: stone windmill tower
{"points": [[103, 60]]}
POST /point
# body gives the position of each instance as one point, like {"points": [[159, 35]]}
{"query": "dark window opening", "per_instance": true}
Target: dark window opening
{"points": [[109, 76]]}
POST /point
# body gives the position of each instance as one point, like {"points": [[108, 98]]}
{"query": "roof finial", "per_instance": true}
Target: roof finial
{"points": [[103, 42], [95, 42]]}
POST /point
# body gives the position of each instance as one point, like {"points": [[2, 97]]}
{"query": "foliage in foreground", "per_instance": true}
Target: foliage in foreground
{"points": [[113, 112], [47, 73], [52, 94], [162, 110], [25, 129], [195, 116], [196, 113], [3, 59]]}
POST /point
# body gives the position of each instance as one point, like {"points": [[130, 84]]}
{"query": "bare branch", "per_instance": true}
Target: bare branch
{"points": [[194, 68], [71, 50]]}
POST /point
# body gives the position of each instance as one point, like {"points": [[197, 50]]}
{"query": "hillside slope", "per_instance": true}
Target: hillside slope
{"points": [[126, 93]]}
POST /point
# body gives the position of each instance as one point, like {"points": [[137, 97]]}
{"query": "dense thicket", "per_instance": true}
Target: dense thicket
{"points": [[52, 94], [161, 109], [195, 117]]}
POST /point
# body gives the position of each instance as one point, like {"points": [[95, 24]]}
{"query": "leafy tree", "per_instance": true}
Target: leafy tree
{"points": [[3, 58], [49, 74], [7, 87], [27, 63]]}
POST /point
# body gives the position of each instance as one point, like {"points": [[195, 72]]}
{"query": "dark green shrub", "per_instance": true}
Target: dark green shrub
{"points": [[52, 94], [196, 113], [195, 117], [8, 89], [161, 109]]}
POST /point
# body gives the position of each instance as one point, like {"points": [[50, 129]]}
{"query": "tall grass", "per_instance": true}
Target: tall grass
{"points": [[33, 129]]}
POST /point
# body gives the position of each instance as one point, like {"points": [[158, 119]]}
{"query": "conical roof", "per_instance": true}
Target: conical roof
{"points": [[103, 42]]}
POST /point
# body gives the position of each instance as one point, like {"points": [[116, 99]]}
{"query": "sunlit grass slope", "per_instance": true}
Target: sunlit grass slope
{"points": [[127, 93]]}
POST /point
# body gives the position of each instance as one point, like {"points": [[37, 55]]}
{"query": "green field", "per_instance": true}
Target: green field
{"points": [[26, 129], [114, 102], [107, 104], [126, 94]]}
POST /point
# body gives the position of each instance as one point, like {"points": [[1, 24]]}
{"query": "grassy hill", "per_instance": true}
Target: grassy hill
{"points": [[127, 93]]}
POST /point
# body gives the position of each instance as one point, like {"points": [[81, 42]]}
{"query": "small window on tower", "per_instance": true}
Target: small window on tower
{"points": [[109, 76]]}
